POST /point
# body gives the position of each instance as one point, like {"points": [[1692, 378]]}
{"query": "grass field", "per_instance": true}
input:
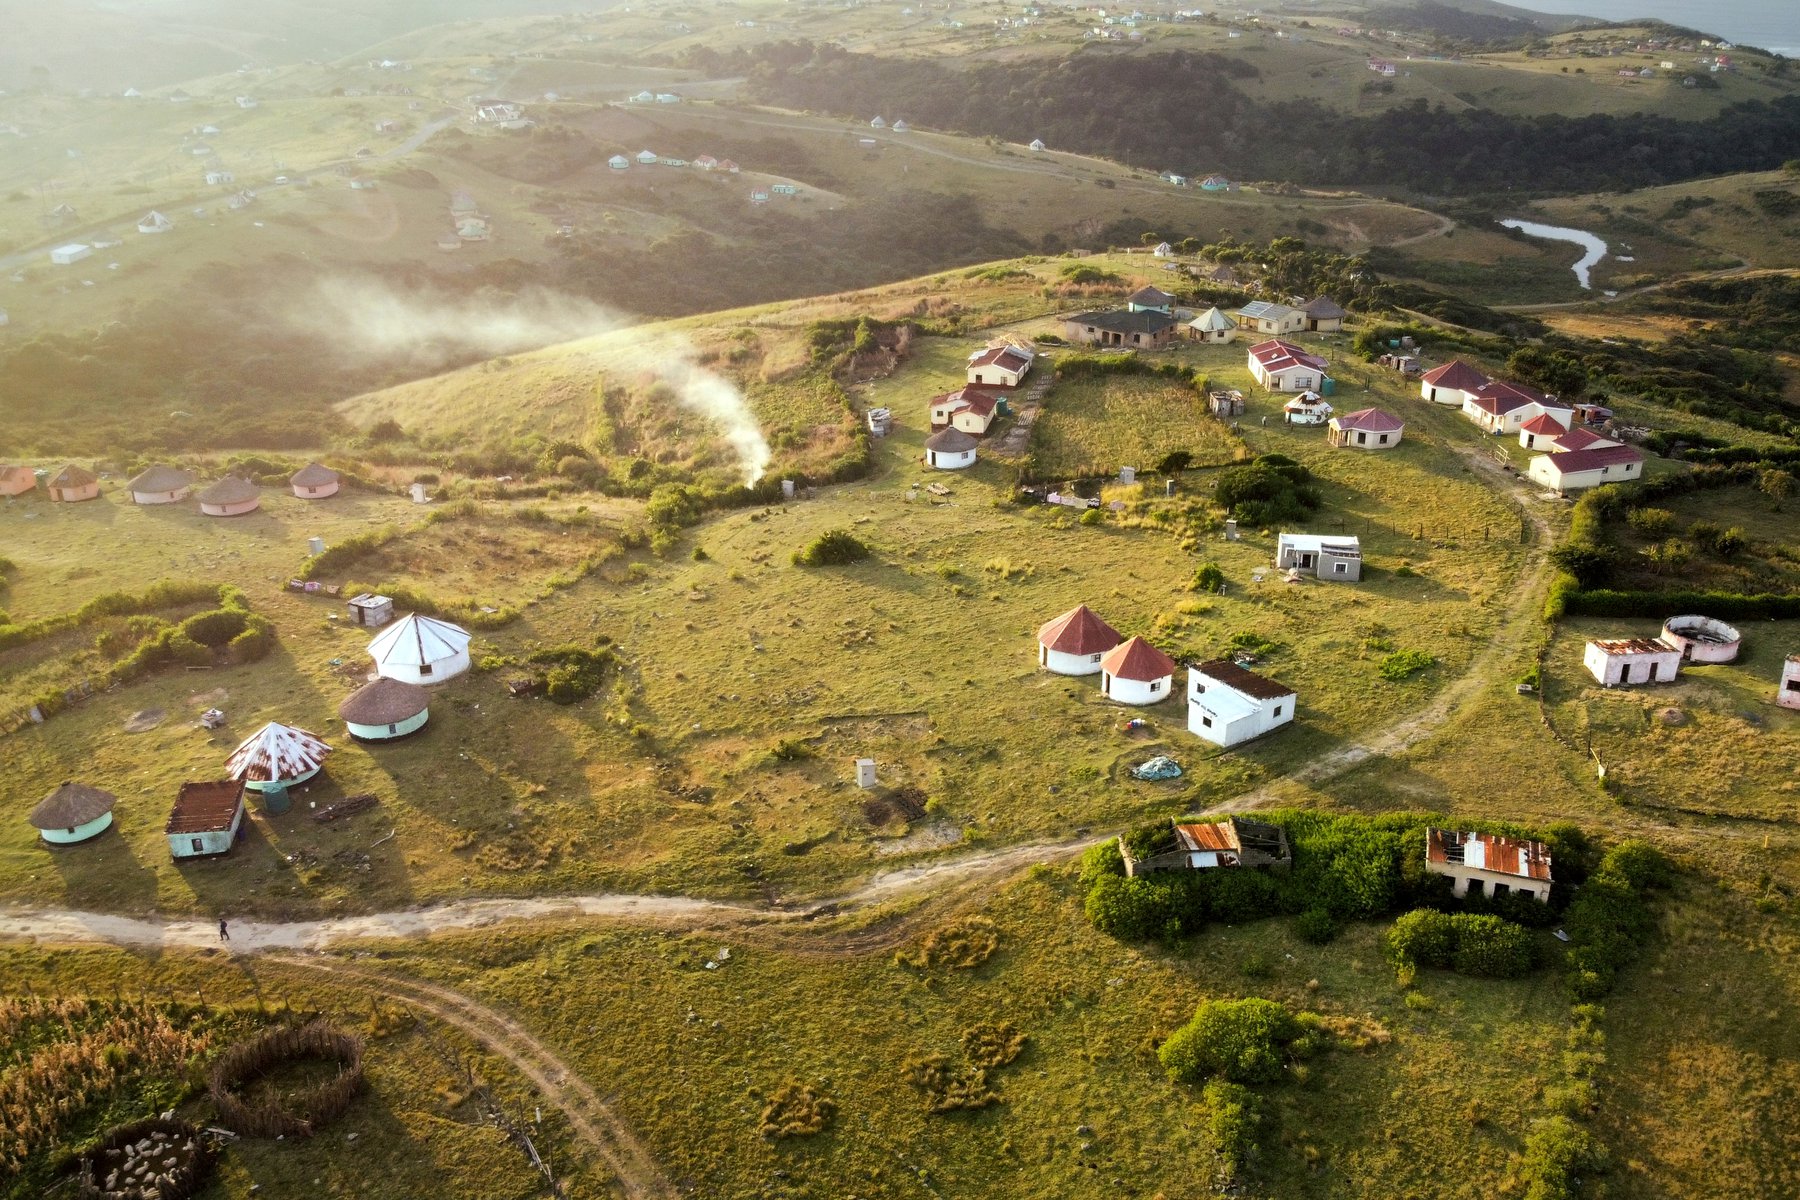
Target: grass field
{"points": [[1095, 426]]}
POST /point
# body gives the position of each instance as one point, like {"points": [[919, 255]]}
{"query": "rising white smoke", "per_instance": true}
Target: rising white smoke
{"points": [[368, 319]]}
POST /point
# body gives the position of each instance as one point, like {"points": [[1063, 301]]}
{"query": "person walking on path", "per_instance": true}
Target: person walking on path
{"points": [[224, 933]]}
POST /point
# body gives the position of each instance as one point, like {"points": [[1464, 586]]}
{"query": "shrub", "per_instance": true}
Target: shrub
{"points": [[574, 673], [796, 1110], [1316, 925], [1242, 1041], [1102, 860], [1132, 910], [962, 944], [992, 1045], [1557, 1153], [1233, 1115], [834, 547], [1469, 943], [1209, 578], [216, 628], [1654, 523], [1404, 664]]}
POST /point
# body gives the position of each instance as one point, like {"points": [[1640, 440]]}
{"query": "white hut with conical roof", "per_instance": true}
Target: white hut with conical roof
{"points": [[418, 649], [275, 757], [73, 813], [230, 497], [160, 484], [1212, 326], [314, 482]]}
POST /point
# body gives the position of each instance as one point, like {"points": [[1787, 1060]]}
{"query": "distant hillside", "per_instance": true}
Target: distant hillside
{"points": [[1141, 109], [1458, 24]]}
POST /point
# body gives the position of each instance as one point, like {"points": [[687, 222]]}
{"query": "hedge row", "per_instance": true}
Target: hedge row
{"points": [[1610, 602], [1609, 918], [1468, 943], [167, 594]]}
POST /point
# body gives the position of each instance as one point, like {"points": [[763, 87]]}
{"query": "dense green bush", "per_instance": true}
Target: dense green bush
{"points": [[834, 547], [1609, 918], [1469, 943], [1233, 1121], [1240, 1041], [1268, 490], [1557, 1154], [1404, 664], [574, 673], [1209, 578]]}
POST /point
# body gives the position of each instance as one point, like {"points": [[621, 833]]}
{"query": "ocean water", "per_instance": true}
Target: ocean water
{"points": [[1769, 24]]}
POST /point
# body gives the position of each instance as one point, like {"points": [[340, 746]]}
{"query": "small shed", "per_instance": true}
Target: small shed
{"points": [[385, 710], [1227, 403], [73, 813], [1624, 661], [1367, 429], [1702, 639], [154, 222], [1038, 144], [369, 610], [1202, 846], [421, 650], [1075, 642], [1135, 672], [206, 819], [314, 482], [160, 484], [73, 483], [950, 450], [74, 252], [1541, 428], [230, 497], [277, 756], [647, 157], [16, 481], [619, 162]]}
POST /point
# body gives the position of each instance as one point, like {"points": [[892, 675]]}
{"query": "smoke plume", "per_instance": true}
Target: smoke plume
{"points": [[369, 320]]}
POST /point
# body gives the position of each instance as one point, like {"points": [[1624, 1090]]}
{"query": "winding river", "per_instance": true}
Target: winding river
{"points": [[1596, 249]]}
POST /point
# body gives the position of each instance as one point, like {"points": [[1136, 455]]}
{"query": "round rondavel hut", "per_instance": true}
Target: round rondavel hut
{"points": [[73, 813], [230, 497], [418, 649], [950, 449], [1074, 643], [314, 482], [72, 484], [277, 757], [1135, 672], [385, 710], [160, 484]]}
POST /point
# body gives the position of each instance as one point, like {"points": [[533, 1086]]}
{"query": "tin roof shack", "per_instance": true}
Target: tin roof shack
{"points": [[1488, 864], [1230, 842], [1632, 660], [369, 610], [1337, 558], [73, 813], [206, 819], [1228, 704]]}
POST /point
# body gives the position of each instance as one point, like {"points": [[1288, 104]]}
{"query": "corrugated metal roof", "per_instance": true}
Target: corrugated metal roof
{"points": [[1489, 852], [206, 807], [414, 641], [276, 751], [1249, 683]]}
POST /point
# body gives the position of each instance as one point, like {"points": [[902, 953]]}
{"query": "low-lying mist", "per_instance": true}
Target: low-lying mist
{"points": [[370, 320]]}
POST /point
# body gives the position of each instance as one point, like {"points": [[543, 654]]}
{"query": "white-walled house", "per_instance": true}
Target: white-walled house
{"points": [[1787, 692], [968, 409], [1541, 430], [421, 650], [950, 449], [1075, 642], [1338, 557], [1632, 660], [1367, 429], [1284, 367], [1000, 366], [160, 484], [1451, 384], [1266, 316], [1135, 672], [1571, 470], [1488, 864], [1501, 406], [154, 222], [1228, 704]]}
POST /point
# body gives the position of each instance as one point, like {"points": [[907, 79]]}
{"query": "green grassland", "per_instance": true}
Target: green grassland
{"points": [[1096, 426], [730, 658]]}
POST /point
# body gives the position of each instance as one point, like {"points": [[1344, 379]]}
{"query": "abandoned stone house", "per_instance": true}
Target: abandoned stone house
{"points": [[1232, 842]]}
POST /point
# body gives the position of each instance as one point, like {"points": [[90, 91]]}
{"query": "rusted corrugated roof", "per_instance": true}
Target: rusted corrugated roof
{"points": [[276, 752], [1211, 836], [1502, 855], [206, 807], [1634, 646]]}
